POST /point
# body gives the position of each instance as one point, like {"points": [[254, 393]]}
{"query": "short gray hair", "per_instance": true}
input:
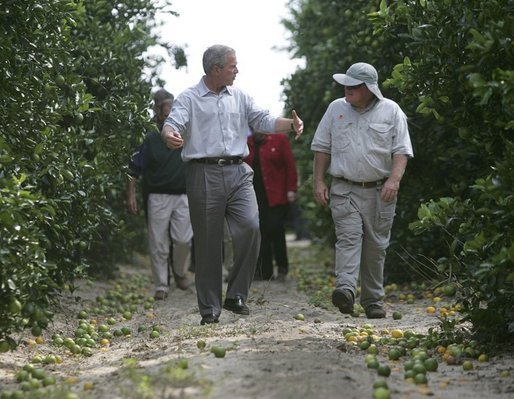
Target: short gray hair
{"points": [[216, 56]]}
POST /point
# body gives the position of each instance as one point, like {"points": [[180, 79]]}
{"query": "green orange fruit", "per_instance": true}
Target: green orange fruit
{"points": [[384, 370], [450, 289], [15, 306], [431, 364], [467, 365], [381, 393], [4, 346], [218, 351]]}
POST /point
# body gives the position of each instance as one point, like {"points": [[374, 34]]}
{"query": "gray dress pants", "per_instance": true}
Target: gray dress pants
{"points": [[218, 193]]}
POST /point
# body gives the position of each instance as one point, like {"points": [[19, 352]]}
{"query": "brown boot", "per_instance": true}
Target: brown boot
{"points": [[343, 299], [375, 311]]}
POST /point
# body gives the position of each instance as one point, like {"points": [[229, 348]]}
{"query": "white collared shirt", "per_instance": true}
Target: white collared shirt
{"points": [[216, 125]]}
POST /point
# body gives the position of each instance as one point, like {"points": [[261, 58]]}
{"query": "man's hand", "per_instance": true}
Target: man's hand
{"points": [[389, 190], [131, 196], [291, 196], [297, 125], [319, 188], [392, 184], [132, 205], [321, 193], [172, 138]]}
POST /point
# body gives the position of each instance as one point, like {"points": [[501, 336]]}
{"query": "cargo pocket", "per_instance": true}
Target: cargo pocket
{"points": [[384, 217], [340, 206]]}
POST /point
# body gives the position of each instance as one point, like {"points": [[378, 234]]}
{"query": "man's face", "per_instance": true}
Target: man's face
{"points": [[166, 109], [228, 73], [359, 96]]}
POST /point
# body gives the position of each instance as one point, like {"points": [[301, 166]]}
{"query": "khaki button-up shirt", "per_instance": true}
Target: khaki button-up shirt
{"points": [[361, 144]]}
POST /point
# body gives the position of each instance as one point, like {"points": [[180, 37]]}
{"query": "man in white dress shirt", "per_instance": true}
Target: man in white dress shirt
{"points": [[211, 122]]}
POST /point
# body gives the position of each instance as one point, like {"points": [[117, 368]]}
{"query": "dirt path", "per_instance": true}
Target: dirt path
{"points": [[269, 354]]}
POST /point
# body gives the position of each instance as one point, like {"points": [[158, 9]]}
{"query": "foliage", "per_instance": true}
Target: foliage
{"points": [[463, 90], [464, 86], [73, 106], [34, 107], [448, 64], [481, 250], [107, 54]]}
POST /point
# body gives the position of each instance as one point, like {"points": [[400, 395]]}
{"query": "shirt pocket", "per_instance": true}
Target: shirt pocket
{"points": [[341, 136], [235, 120], [381, 134]]}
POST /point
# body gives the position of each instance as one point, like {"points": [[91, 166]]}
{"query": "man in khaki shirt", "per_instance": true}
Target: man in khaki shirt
{"points": [[363, 141]]}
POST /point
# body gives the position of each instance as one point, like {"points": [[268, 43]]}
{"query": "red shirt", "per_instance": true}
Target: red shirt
{"points": [[277, 166]]}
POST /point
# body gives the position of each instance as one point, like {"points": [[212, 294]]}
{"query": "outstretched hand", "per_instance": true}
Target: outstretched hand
{"points": [[297, 125]]}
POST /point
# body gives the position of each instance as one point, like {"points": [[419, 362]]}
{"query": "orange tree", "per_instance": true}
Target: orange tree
{"points": [[448, 64], [459, 76], [73, 104]]}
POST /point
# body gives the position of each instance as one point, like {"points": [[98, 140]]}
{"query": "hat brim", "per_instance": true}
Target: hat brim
{"points": [[346, 80]]}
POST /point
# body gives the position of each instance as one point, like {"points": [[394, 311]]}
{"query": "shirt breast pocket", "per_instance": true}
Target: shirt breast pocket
{"points": [[381, 134], [235, 121], [341, 136]]}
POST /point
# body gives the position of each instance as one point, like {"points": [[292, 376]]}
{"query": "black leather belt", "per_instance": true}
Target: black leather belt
{"points": [[363, 184], [220, 161]]}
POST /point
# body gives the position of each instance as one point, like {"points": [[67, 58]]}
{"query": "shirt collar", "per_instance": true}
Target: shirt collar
{"points": [[204, 90], [373, 102]]}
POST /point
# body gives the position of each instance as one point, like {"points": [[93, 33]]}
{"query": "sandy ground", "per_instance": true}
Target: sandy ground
{"points": [[269, 354]]}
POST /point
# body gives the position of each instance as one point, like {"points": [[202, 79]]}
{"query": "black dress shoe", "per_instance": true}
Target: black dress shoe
{"points": [[209, 319], [236, 305]]}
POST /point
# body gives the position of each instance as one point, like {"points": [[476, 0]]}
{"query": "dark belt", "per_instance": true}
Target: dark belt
{"points": [[363, 184], [220, 161]]}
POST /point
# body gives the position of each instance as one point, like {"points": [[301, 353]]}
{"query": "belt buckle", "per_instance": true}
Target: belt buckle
{"points": [[363, 184], [221, 162]]}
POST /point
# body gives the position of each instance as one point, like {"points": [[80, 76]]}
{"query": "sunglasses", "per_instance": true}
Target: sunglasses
{"points": [[355, 87]]}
